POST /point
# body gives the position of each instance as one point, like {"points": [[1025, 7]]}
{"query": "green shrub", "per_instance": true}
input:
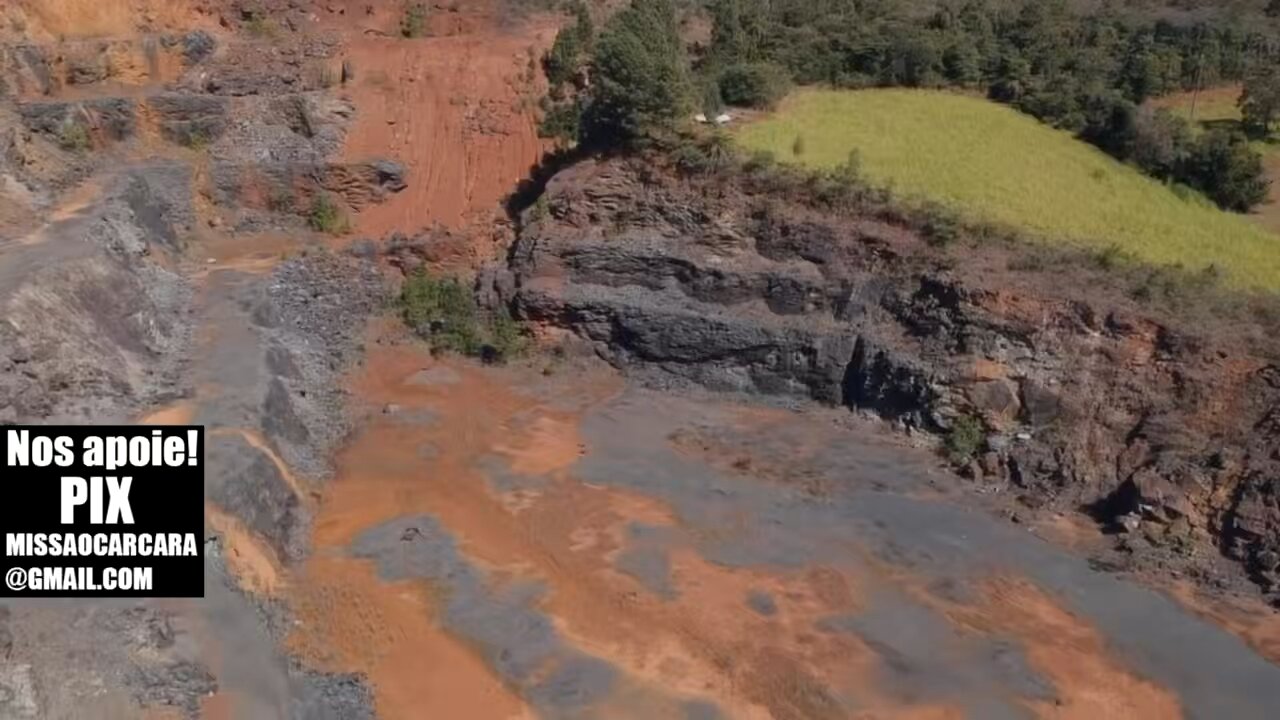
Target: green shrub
{"points": [[73, 137], [444, 312], [280, 200], [1112, 257], [709, 91], [940, 225], [964, 439], [441, 310], [758, 85], [326, 216], [690, 159], [560, 120], [413, 23], [840, 187], [195, 138], [1260, 99], [259, 25], [711, 153], [563, 64], [564, 58], [1224, 167], [539, 211], [760, 161], [506, 336]]}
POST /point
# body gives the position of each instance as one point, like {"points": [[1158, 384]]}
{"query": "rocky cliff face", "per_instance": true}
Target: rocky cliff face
{"points": [[94, 320], [1166, 428]]}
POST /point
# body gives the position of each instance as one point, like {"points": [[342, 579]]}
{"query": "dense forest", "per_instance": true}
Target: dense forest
{"points": [[1084, 67]]}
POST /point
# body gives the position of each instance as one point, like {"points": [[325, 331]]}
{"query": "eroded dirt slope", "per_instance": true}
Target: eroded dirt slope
{"points": [[459, 110]]}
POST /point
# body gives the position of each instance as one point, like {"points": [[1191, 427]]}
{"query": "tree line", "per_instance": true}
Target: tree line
{"points": [[1086, 71]]}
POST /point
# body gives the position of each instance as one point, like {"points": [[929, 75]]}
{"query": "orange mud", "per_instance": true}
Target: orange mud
{"points": [[179, 413], [704, 644], [218, 706], [71, 203], [253, 438], [17, 209], [459, 111], [77, 200], [350, 620], [1091, 683], [1250, 620], [252, 563]]}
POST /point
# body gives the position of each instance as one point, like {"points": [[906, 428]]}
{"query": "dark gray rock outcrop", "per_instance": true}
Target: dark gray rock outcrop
{"points": [[1161, 424]]}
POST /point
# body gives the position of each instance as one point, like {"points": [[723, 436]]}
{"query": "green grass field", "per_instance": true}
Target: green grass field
{"points": [[993, 164]]}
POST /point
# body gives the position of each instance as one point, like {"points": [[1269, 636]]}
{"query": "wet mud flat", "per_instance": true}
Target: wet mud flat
{"points": [[510, 542]]}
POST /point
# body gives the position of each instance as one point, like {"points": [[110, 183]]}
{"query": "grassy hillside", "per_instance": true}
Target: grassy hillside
{"points": [[994, 164]]}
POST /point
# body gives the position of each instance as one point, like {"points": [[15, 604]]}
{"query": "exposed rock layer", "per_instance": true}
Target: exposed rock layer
{"points": [[1167, 427]]}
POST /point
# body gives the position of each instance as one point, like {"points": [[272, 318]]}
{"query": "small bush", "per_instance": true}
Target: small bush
{"points": [[1112, 257], [690, 159], [965, 439], [760, 161], [195, 139], [797, 147], [506, 337], [758, 85], [713, 153], [413, 23], [259, 25], [1028, 261], [940, 225], [560, 120], [562, 61], [1224, 167], [280, 200], [73, 137], [326, 216], [709, 92], [444, 312], [842, 187], [539, 211]]}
